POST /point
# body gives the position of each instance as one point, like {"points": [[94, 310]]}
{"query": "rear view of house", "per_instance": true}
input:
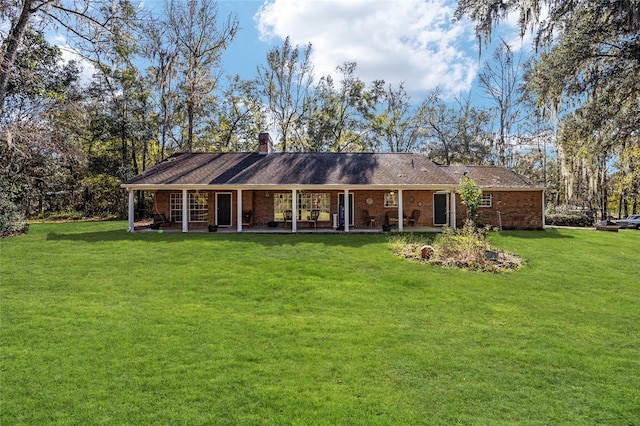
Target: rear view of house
{"points": [[343, 191]]}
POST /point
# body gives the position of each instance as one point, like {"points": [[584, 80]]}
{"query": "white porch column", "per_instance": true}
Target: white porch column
{"points": [[294, 210], [400, 211], [239, 210], [347, 216], [452, 210], [185, 211], [130, 211]]}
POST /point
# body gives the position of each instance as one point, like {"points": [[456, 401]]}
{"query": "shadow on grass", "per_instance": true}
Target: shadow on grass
{"points": [[348, 240], [550, 233]]}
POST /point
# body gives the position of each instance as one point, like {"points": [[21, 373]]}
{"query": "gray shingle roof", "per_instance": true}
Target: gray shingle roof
{"points": [[489, 176], [294, 169], [254, 169]]}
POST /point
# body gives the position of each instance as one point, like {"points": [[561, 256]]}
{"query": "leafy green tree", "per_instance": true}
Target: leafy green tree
{"points": [[40, 125], [339, 118], [471, 196]]}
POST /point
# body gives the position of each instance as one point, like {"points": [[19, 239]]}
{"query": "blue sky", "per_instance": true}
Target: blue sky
{"points": [[414, 42], [411, 41]]}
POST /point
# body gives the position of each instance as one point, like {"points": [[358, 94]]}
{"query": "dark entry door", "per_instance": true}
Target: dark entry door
{"points": [[439, 209], [223, 205]]}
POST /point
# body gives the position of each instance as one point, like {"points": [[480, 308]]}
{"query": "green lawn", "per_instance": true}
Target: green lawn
{"points": [[99, 326]]}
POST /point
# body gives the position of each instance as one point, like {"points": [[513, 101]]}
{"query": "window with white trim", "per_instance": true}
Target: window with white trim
{"points": [[198, 206], [391, 199], [486, 200], [175, 206], [281, 202], [306, 201]]}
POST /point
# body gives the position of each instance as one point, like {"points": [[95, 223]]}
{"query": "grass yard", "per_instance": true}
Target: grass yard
{"points": [[99, 326]]}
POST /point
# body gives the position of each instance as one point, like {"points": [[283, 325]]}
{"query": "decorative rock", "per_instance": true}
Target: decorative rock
{"points": [[426, 252]]}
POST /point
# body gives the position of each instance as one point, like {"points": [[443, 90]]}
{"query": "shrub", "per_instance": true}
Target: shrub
{"points": [[567, 217], [11, 219], [464, 248]]}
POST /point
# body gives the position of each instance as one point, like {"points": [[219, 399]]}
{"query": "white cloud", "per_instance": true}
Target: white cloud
{"points": [[410, 41], [70, 54]]}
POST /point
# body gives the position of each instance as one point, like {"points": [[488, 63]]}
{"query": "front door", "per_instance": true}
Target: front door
{"points": [[223, 209], [345, 211], [440, 209]]}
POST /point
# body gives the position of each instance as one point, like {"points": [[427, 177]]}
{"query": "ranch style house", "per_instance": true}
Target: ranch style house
{"points": [[342, 191]]}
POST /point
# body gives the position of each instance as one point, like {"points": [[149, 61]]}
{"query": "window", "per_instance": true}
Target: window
{"points": [[198, 207], [306, 201], [175, 207], [391, 199], [486, 200]]}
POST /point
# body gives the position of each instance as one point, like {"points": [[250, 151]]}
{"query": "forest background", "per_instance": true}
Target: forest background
{"points": [[564, 114]]}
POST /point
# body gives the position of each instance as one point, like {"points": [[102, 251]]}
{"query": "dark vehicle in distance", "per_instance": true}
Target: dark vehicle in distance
{"points": [[630, 222]]}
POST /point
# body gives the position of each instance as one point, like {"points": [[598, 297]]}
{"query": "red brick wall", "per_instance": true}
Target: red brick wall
{"points": [[511, 209], [518, 210]]}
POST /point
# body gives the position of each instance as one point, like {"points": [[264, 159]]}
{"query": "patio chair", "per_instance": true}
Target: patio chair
{"points": [[288, 216], [246, 217], [313, 217], [368, 219], [413, 219]]}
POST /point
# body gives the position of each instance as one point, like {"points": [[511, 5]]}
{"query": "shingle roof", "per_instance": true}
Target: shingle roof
{"points": [[294, 169], [305, 169], [489, 176]]}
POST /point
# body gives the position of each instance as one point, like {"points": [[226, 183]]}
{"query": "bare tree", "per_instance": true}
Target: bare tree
{"points": [[285, 82], [87, 20], [200, 41], [501, 81]]}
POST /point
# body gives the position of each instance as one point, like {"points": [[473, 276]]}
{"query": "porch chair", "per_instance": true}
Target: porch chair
{"points": [[246, 217], [368, 219], [288, 216], [159, 219], [413, 219], [313, 217]]}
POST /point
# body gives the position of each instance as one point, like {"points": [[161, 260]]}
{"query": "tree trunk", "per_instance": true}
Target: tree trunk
{"points": [[11, 53]]}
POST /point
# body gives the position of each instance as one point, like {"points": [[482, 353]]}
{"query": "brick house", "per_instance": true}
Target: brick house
{"points": [[329, 190]]}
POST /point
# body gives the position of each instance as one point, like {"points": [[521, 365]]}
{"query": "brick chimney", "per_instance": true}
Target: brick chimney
{"points": [[266, 143]]}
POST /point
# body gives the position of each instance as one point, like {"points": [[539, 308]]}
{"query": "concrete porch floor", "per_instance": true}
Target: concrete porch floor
{"points": [[282, 230]]}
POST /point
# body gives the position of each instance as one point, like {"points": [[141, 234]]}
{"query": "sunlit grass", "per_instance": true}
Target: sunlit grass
{"points": [[99, 326]]}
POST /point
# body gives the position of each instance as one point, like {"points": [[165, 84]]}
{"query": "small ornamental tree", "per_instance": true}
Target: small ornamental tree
{"points": [[471, 196]]}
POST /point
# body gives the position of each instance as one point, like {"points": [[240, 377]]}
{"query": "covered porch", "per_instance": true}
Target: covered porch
{"points": [[297, 210]]}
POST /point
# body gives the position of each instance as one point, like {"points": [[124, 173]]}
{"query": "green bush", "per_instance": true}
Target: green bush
{"points": [[567, 217], [11, 219]]}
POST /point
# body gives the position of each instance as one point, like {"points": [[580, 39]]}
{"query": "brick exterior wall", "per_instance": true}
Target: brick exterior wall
{"points": [[511, 209]]}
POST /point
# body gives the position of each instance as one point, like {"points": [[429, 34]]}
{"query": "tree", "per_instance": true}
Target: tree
{"points": [[200, 42], [339, 118], [589, 66], [454, 134], [501, 81], [471, 197], [239, 118], [398, 126], [284, 83], [87, 20], [39, 127]]}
